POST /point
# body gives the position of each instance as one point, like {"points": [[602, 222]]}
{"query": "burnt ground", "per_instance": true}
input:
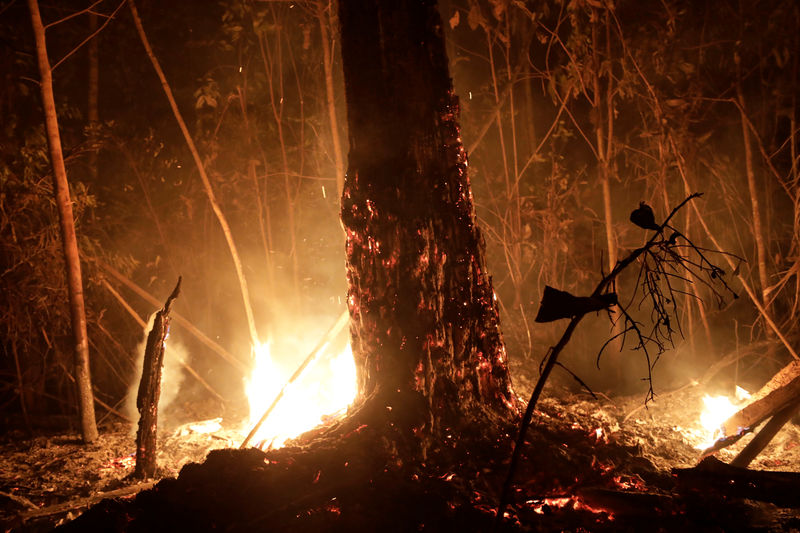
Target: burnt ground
{"points": [[591, 465]]}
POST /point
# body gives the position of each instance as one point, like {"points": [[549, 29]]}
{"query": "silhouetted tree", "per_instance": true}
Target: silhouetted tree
{"points": [[425, 328]]}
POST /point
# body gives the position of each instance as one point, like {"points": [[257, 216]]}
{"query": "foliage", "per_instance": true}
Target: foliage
{"points": [[645, 94], [558, 97]]}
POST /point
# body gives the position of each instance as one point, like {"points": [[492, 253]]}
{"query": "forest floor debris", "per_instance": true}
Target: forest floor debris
{"points": [[578, 445]]}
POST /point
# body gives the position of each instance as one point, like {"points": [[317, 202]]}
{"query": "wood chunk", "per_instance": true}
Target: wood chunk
{"points": [[627, 503], [771, 403], [150, 391], [783, 377], [779, 488], [765, 436]]}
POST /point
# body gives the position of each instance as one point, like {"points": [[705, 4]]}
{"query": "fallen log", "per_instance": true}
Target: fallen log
{"points": [[781, 391], [150, 391], [765, 436], [777, 399], [80, 503], [716, 477], [783, 377]]}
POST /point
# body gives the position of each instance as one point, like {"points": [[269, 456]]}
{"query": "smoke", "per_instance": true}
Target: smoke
{"points": [[171, 373]]}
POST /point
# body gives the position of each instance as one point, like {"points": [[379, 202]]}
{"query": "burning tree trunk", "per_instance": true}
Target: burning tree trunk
{"points": [[425, 329]]}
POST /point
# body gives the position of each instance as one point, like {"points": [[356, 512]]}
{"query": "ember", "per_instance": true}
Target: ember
{"points": [[548, 505], [120, 463]]}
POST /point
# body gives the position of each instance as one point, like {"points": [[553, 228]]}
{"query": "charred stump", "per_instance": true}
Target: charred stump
{"points": [[150, 390], [425, 329]]}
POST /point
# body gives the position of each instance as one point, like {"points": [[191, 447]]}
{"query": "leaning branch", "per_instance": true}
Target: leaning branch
{"points": [[86, 502], [330, 335], [202, 337], [223, 221], [552, 357]]}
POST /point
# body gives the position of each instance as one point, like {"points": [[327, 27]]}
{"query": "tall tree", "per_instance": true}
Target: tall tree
{"points": [[425, 329], [324, 10], [68, 238], [93, 114]]}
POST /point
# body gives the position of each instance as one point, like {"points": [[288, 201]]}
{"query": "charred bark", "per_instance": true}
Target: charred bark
{"points": [[150, 391], [425, 329]]}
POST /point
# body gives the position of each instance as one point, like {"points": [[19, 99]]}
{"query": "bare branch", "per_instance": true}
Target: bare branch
{"points": [[90, 37]]}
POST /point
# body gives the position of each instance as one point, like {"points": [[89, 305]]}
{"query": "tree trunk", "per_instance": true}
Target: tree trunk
{"points": [[603, 107], [93, 114], [68, 238], [324, 18], [425, 329]]}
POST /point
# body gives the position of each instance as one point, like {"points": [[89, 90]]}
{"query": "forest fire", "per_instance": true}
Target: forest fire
{"points": [[707, 427], [326, 389], [284, 158], [717, 409]]}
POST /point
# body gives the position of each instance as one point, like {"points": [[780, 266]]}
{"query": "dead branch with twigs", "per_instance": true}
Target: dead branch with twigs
{"points": [[660, 259]]}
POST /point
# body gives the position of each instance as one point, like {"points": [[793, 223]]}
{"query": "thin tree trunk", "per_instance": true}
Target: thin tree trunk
{"points": [[758, 226], [605, 141], [327, 65], [262, 200], [68, 237], [223, 222], [276, 105], [512, 213], [604, 132], [23, 402], [796, 203], [93, 114]]}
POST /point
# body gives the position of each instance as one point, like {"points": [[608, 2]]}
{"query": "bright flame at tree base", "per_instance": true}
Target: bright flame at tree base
{"points": [[326, 389], [717, 409]]}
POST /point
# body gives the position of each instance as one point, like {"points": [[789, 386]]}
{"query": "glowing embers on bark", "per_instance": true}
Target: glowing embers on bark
{"points": [[325, 390], [573, 503]]}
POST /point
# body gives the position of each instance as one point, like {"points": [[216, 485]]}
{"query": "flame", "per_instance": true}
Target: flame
{"points": [[717, 409], [326, 389]]}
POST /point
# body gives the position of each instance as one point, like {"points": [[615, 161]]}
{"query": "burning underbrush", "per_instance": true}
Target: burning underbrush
{"points": [[595, 465]]}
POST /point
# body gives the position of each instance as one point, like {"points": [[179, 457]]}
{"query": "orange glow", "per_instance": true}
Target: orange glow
{"points": [[325, 389], [716, 410], [572, 502]]}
